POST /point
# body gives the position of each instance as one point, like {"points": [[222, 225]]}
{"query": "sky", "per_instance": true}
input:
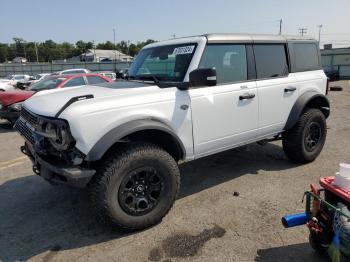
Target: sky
{"points": [[137, 20]]}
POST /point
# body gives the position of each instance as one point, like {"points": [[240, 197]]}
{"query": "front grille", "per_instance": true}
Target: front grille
{"points": [[25, 131], [29, 117]]}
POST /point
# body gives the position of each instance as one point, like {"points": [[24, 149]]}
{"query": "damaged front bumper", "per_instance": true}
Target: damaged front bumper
{"points": [[60, 173], [50, 147]]}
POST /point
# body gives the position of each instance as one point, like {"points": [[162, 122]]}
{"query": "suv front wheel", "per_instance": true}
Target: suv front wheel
{"points": [[304, 142], [135, 187]]}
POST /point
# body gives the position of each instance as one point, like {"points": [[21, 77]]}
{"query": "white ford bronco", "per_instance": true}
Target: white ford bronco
{"points": [[184, 99]]}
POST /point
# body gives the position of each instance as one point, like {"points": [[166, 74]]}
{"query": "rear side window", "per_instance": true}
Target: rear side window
{"points": [[78, 81], [271, 60], [229, 60], [92, 80], [306, 57]]}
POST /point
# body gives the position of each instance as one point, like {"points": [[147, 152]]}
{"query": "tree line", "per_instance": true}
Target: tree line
{"points": [[49, 50]]}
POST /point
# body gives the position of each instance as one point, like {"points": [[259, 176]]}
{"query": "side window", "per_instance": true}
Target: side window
{"points": [[306, 57], [229, 60], [95, 80], [78, 81], [271, 60]]}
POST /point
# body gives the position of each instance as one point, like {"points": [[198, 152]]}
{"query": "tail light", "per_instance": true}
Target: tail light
{"points": [[327, 87]]}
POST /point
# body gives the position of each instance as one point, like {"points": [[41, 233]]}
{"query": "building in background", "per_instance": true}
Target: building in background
{"points": [[98, 55], [336, 61]]}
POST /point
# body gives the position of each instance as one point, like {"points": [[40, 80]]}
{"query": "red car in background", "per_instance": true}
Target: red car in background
{"points": [[11, 101]]}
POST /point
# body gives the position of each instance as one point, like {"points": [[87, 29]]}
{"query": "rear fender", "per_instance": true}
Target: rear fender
{"points": [[310, 99]]}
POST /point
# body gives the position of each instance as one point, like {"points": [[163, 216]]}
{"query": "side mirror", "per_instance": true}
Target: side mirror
{"points": [[203, 77]]}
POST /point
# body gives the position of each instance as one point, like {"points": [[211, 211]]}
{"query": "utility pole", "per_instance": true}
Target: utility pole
{"points": [[36, 52], [302, 31], [319, 34], [94, 47], [280, 21], [24, 47], [128, 47], [115, 54]]}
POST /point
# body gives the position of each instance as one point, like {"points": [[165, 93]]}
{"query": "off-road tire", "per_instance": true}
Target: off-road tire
{"points": [[293, 140], [106, 185]]}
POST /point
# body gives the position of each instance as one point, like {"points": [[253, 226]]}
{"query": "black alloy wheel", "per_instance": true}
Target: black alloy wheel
{"points": [[140, 191], [313, 136]]}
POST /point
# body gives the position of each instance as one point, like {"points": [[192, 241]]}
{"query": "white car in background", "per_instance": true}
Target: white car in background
{"points": [[23, 84], [108, 74], [73, 71], [5, 87], [13, 79]]}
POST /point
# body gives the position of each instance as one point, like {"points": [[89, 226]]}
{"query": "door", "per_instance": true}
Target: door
{"points": [[277, 88], [224, 115]]}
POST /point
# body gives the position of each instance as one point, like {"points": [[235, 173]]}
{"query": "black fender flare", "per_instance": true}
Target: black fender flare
{"points": [[320, 100], [119, 132]]}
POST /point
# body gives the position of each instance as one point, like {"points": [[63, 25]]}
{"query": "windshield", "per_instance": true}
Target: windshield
{"points": [[37, 77], [162, 63], [47, 83]]}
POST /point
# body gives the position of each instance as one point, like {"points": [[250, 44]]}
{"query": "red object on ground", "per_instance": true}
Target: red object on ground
{"points": [[328, 184], [10, 97]]}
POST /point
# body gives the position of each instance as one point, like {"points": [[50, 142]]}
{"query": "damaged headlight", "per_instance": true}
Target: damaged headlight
{"points": [[58, 135]]}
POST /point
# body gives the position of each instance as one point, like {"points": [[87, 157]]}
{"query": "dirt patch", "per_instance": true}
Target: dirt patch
{"points": [[185, 245], [155, 254]]}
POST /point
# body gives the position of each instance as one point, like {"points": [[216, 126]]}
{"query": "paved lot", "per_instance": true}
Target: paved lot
{"points": [[40, 222]]}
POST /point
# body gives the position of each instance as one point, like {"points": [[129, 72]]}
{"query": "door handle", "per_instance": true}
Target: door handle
{"points": [[246, 96], [290, 89]]}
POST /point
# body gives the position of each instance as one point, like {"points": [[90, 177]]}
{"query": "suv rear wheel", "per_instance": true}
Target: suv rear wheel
{"points": [[135, 187], [304, 142]]}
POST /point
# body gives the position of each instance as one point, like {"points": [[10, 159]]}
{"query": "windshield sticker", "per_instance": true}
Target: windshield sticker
{"points": [[184, 50]]}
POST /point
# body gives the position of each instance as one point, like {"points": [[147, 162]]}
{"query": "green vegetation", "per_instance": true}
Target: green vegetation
{"points": [[49, 50]]}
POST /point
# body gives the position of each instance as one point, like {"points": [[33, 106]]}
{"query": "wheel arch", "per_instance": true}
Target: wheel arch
{"points": [[310, 99], [145, 130]]}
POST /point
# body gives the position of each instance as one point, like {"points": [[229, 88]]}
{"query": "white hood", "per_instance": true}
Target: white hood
{"points": [[50, 102]]}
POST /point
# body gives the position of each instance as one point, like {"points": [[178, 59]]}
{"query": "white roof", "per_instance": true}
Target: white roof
{"points": [[236, 38], [254, 38]]}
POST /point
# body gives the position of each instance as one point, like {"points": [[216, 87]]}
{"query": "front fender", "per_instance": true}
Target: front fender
{"points": [[117, 133]]}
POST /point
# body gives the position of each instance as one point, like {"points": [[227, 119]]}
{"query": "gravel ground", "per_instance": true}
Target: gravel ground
{"points": [[40, 222]]}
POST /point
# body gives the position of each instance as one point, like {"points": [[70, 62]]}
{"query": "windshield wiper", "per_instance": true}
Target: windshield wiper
{"points": [[146, 77], [157, 81]]}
